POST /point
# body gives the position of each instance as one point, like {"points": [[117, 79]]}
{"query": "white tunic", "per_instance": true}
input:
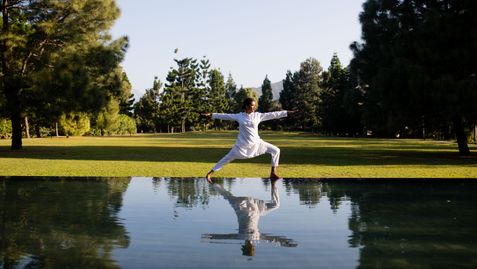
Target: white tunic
{"points": [[248, 125]]}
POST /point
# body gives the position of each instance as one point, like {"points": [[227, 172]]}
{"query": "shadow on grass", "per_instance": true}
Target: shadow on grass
{"points": [[332, 156]]}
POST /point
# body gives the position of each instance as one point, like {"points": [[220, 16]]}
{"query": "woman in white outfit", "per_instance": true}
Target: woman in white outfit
{"points": [[249, 144]]}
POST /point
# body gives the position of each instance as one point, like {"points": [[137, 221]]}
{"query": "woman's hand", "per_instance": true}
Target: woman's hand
{"points": [[208, 114]]}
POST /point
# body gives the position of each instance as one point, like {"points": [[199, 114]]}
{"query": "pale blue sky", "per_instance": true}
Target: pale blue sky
{"points": [[248, 38]]}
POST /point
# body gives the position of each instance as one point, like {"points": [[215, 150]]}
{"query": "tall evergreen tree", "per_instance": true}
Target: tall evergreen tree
{"points": [[334, 112], [67, 38], [307, 91], [288, 94], [199, 96], [266, 98], [231, 90], [126, 100], [177, 96], [416, 66], [230, 87], [147, 109], [204, 72], [217, 97]]}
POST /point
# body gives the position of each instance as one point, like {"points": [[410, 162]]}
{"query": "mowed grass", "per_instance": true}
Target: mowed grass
{"points": [[193, 155]]}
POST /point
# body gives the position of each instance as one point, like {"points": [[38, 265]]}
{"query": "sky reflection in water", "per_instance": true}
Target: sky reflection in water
{"points": [[237, 223]]}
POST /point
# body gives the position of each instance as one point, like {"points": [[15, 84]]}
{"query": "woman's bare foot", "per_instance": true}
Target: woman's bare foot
{"points": [[273, 174], [209, 176]]}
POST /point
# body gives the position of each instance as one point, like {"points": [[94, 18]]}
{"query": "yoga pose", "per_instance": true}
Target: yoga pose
{"points": [[249, 144], [248, 211]]}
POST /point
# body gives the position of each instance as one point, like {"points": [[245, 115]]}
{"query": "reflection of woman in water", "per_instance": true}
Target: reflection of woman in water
{"points": [[249, 144], [248, 211]]}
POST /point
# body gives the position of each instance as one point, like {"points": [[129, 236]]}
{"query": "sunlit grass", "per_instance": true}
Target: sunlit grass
{"points": [[193, 154]]}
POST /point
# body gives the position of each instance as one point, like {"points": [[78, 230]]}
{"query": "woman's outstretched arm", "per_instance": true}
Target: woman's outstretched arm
{"points": [[221, 116], [276, 114]]}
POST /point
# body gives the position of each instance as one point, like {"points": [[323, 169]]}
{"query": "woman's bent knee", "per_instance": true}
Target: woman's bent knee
{"points": [[274, 150]]}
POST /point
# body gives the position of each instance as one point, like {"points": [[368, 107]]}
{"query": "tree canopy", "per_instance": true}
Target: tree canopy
{"points": [[416, 66], [58, 54]]}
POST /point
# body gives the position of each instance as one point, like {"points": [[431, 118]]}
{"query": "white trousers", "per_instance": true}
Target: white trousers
{"points": [[257, 149]]}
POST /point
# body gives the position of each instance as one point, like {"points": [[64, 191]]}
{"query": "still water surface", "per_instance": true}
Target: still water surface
{"points": [[236, 223]]}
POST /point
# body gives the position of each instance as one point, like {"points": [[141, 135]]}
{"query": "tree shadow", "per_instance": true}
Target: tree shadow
{"points": [[327, 156]]}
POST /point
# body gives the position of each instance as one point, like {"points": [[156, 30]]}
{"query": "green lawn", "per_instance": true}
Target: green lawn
{"points": [[193, 154]]}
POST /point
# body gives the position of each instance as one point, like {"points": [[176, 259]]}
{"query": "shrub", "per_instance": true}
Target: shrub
{"points": [[127, 125], [5, 128], [74, 123]]}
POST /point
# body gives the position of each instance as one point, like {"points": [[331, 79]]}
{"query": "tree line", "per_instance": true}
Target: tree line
{"points": [[412, 75], [326, 100]]}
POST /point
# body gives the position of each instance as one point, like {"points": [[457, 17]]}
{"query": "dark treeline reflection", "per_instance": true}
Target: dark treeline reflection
{"points": [[401, 224], [428, 224], [61, 223]]}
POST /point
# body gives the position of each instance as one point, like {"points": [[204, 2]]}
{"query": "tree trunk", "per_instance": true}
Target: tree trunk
{"points": [[183, 126], [475, 131], [15, 116], [56, 129], [461, 137], [37, 130], [11, 93], [423, 128], [27, 128], [16, 129]]}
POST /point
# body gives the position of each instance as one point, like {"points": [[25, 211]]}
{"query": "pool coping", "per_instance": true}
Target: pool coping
{"points": [[321, 179]]}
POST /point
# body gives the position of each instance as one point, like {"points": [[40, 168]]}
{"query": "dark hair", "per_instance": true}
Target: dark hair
{"points": [[248, 101]]}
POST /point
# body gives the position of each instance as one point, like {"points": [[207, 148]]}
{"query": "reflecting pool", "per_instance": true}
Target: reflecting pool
{"points": [[237, 223]]}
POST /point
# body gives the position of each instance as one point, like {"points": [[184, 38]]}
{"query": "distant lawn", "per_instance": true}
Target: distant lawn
{"points": [[193, 154]]}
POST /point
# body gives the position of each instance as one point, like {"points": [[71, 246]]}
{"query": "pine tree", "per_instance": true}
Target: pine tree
{"points": [[204, 72], [199, 96], [307, 91], [334, 118], [288, 94], [147, 110], [178, 95], [266, 98], [217, 97], [63, 45], [126, 100], [301, 92], [230, 90]]}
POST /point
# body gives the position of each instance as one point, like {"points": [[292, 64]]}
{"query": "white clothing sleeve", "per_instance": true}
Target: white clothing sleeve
{"points": [[224, 116], [273, 115]]}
